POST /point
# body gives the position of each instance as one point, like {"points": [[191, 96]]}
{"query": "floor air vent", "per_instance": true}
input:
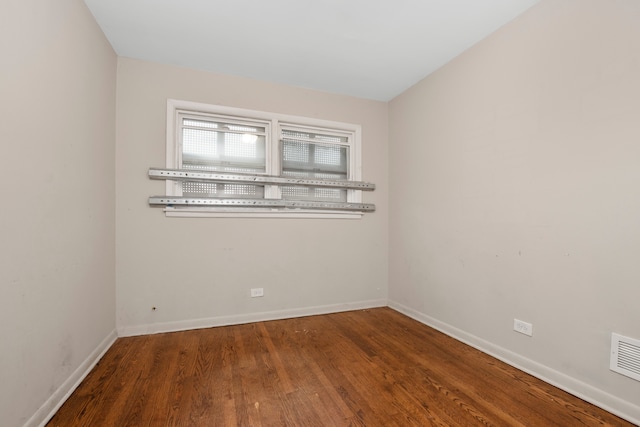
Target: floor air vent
{"points": [[625, 356]]}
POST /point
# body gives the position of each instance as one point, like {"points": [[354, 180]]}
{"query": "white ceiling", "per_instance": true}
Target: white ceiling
{"points": [[372, 49]]}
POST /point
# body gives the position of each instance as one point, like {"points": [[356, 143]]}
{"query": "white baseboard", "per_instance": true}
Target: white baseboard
{"points": [[51, 406], [586, 392], [182, 325]]}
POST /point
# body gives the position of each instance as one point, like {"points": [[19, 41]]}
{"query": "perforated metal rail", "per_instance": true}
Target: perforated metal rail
{"points": [[259, 203], [206, 176]]}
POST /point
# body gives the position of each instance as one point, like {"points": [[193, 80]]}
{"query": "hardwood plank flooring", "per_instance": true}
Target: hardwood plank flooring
{"points": [[362, 368]]}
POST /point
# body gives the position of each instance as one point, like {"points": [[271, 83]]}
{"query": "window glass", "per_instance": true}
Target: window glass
{"points": [[226, 147], [220, 146], [314, 155]]}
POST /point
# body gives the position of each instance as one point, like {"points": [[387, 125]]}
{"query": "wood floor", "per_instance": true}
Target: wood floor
{"points": [[363, 368]]}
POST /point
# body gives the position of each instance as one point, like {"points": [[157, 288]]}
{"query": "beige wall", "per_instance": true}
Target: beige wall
{"points": [[199, 271], [514, 193], [57, 102]]}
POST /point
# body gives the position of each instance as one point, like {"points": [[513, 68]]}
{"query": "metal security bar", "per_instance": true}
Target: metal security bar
{"points": [[224, 177], [259, 203]]}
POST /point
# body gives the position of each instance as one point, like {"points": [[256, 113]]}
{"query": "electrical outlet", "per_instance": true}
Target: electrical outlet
{"points": [[523, 327], [257, 292]]}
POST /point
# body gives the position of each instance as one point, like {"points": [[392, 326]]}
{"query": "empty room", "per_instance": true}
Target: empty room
{"points": [[285, 212]]}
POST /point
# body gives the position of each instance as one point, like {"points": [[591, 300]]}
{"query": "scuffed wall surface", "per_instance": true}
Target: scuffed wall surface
{"points": [[202, 268], [57, 298], [514, 189]]}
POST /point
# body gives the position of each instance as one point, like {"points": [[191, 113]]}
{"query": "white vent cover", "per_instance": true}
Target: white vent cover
{"points": [[625, 356]]}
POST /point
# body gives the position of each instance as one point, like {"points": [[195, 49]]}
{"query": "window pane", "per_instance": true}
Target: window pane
{"points": [[198, 144], [327, 155], [199, 123], [217, 145], [312, 155], [308, 157], [294, 151], [241, 146], [221, 146]]}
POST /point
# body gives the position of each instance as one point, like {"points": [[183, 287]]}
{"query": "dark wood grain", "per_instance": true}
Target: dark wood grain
{"points": [[362, 368]]}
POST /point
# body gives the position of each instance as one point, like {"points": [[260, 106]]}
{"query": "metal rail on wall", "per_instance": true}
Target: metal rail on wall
{"points": [[224, 177], [259, 203]]}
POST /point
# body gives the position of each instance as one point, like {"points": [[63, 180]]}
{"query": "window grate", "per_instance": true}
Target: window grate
{"points": [[222, 145], [314, 155], [219, 155]]}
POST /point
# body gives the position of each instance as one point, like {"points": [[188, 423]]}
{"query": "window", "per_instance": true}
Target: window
{"points": [[309, 154], [211, 143], [224, 161]]}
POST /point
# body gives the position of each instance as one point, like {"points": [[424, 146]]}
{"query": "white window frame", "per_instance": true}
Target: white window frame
{"points": [[272, 153]]}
